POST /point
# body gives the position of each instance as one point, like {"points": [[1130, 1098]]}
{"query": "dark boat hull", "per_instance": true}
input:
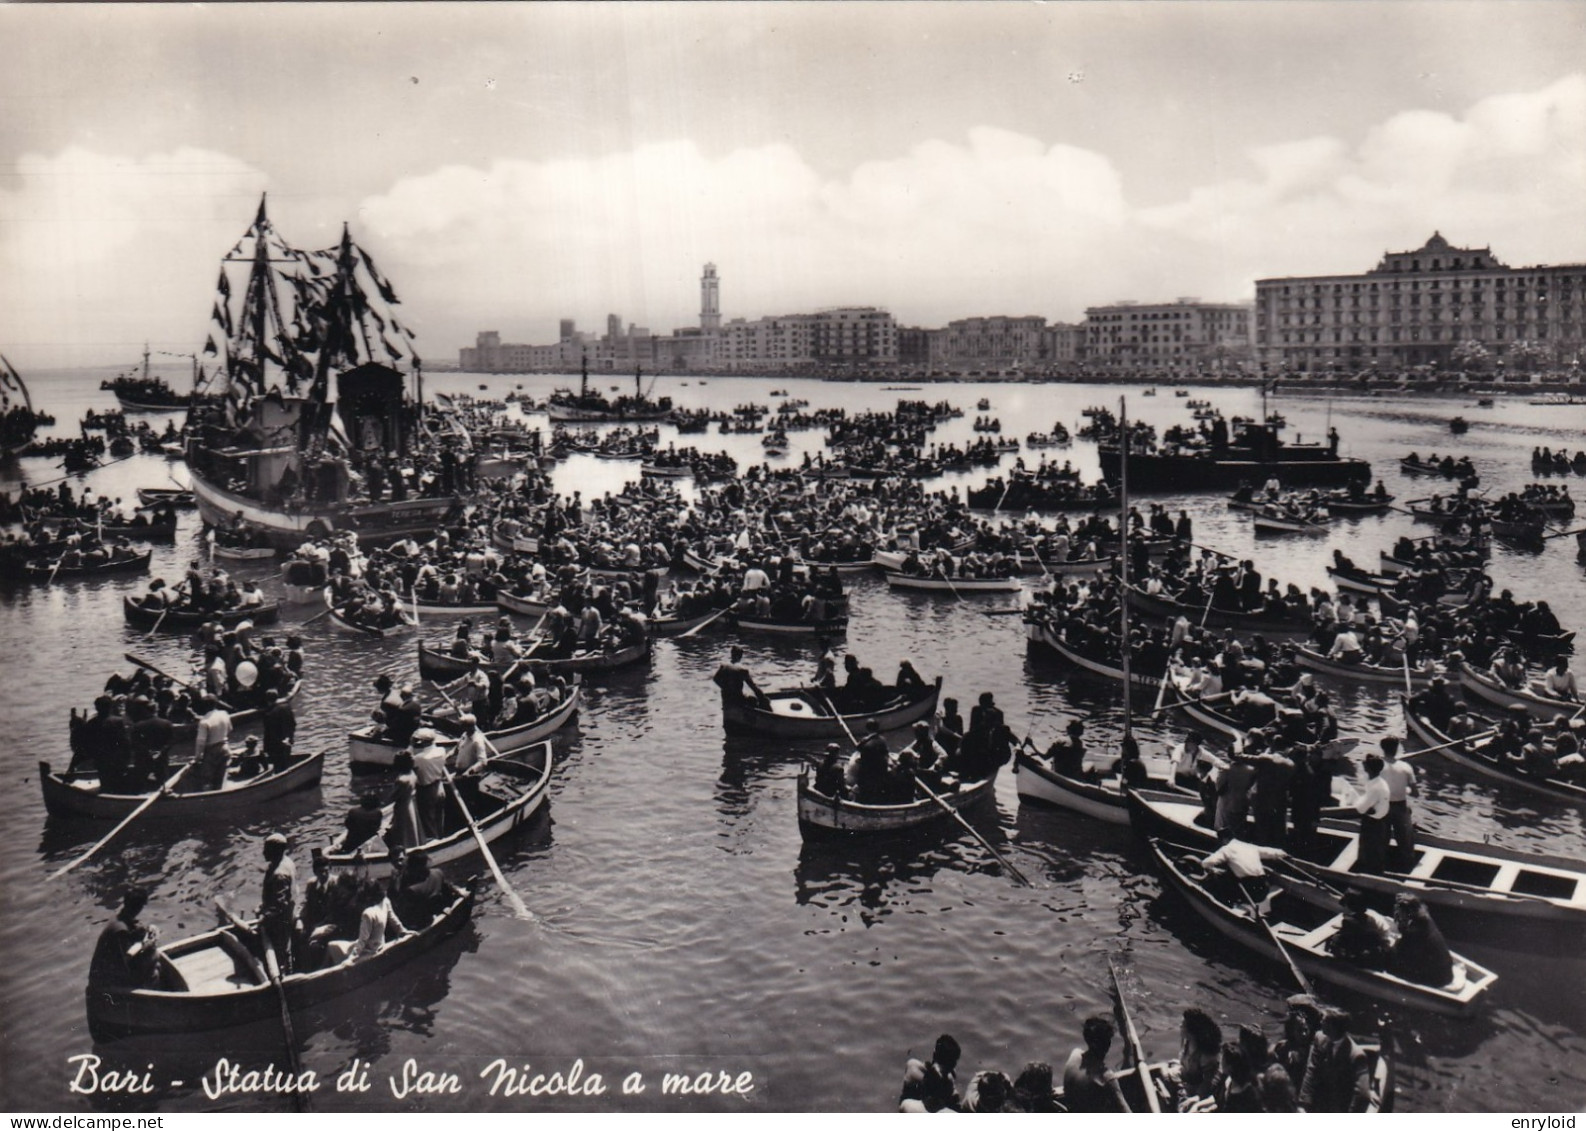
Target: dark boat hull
{"points": [[1204, 473]]}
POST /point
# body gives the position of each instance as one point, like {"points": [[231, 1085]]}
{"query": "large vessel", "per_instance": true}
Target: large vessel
{"points": [[586, 407], [278, 454], [17, 418], [144, 392], [1253, 454]]}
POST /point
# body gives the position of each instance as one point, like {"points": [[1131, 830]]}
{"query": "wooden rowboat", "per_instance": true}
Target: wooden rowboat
{"points": [[367, 748], [243, 553], [807, 713], [955, 584], [176, 496], [79, 794], [338, 617], [1163, 606], [1307, 946], [1371, 673], [48, 571], [212, 981], [182, 619], [832, 626], [1480, 757], [1282, 524], [511, 791], [1100, 797], [436, 664], [186, 732], [1043, 633], [822, 817], [441, 609], [1487, 889], [1485, 685]]}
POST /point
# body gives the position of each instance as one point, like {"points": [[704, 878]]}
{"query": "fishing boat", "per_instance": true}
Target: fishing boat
{"points": [[586, 407], [1533, 696], [180, 618], [56, 571], [511, 791], [1484, 887], [214, 980], [807, 712], [940, 584], [1307, 946], [1477, 753], [822, 817], [147, 393], [309, 341], [368, 748], [1420, 675], [436, 664], [78, 794]]}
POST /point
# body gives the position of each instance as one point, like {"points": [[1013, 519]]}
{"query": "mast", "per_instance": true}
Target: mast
{"points": [[583, 378], [1123, 556], [145, 362]]}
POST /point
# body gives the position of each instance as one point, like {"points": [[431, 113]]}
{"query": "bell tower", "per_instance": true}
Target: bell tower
{"points": [[709, 300]]}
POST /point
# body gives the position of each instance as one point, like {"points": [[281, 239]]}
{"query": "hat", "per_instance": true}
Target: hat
{"points": [[466, 720], [276, 840], [424, 736]]}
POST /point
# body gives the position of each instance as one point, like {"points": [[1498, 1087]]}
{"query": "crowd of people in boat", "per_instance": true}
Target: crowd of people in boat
{"points": [[1314, 1065], [203, 591]]}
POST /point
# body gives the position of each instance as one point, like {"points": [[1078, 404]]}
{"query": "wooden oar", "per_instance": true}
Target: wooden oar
{"points": [[953, 588], [518, 907], [1446, 745], [706, 621], [170, 783], [1187, 702], [1299, 975], [1564, 533], [1135, 1047], [272, 971], [56, 568], [984, 843]]}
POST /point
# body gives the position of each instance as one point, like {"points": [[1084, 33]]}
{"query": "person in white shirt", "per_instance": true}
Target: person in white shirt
{"points": [[1559, 682], [1373, 806], [1346, 647], [1242, 861], [209, 742], [1400, 777]]}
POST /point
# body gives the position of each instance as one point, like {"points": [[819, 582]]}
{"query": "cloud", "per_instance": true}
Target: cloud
{"points": [[101, 253]]}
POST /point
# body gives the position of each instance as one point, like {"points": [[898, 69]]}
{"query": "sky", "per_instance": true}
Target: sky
{"points": [[510, 165]]}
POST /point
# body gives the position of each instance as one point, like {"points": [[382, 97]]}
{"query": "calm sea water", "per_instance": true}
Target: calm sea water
{"points": [[681, 924]]}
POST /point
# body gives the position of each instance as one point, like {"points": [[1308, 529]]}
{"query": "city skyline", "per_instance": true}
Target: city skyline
{"points": [[511, 166]]}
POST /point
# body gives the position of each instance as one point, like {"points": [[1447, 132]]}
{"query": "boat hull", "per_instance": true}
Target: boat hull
{"points": [[179, 620], [437, 665], [1484, 686], [288, 529], [822, 817], [1194, 473], [366, 748], [237, 799], [801, 714]]}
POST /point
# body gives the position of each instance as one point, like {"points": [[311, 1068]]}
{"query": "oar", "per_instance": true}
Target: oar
{"points": [[518, 907], [1186, 702], [984, 843], [1299, 975], [272, 970], [170, 783], [1409, 688], [133, 658], [1564, 534], [953, 588], [1135, 1046], [706, 621], [57, 568], [1446, 745], [1211, 593]]}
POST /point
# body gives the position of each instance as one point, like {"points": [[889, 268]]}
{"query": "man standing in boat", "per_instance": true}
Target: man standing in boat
{"points": [[125, 957], [278, 902], [733, 677]]}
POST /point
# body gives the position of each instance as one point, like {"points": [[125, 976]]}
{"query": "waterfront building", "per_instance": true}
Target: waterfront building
{"points": [[1186, 334], [990, 344], [1436, 306]]}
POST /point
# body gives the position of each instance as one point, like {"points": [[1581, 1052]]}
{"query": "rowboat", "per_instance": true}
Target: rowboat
{"points": [[1420, 676], [180, 619], [176, 496], [1480, 757], [1368, 505], [1282, 524], [367, 748], [1100, 797], [441, 609], [243, 553], [79, 795], [185, 732], [510, 792], [1162, 605], [436, 664], [212, 981], [1043, 633], [956, 584], [1370, 584], [1485, 685], [670, 624], [1308, 947], [47, 571], [832, 626], [822, 817], [338, 617], [162, 532], [802, 712], [1486, 888]]}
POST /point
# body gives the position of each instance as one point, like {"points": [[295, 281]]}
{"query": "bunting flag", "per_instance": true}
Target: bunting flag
{"points": [[11, 383], [224, 286], [209, 346]]}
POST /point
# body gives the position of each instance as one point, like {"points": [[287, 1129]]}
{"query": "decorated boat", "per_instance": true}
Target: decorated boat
{"points": [[511, 790], [586, 407], [821, 816], [309, 342], [214, 980], [1307, 945], [807, 712], [79, 794]]}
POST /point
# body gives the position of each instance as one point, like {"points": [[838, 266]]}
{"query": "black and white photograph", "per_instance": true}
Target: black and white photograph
{"points": [[793, 557]]}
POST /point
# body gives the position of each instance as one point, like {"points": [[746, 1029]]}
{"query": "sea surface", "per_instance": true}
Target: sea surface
{"points": [[680, 924]]}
